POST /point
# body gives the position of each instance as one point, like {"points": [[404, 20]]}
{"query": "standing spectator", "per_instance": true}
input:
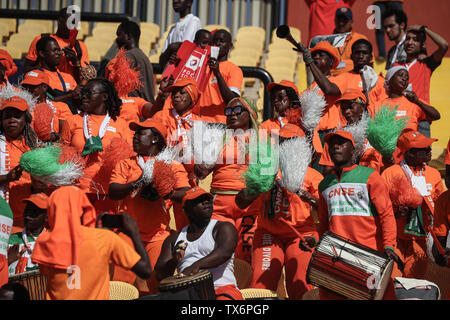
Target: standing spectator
{"points": [[420, 71], [128, 35], [72, 60], [395, 23], [321, 17], [385, 5]]}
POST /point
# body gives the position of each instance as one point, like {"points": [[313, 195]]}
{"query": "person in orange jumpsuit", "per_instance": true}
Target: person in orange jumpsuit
{"points": [[412, 223], [76, 257], [149, 140], [275, 243], [231, 164], [16, 138], [91, 133], [371, 222], [353, 105]]}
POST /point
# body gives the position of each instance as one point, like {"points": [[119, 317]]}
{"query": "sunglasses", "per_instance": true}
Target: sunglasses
{"points": [[88, 92], [237, 110]]}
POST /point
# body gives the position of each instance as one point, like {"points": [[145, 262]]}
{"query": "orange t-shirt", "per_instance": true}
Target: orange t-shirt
{"points": [[371, 158], [273, 124], [98, 249], [154, 226], [62, 110], [55, 81], [299, 215], [345, 52], [73, 135], [434, 186], [441, 225], [353, 80], [405, 109], [65, 65], [211, 105], [131, 109]]}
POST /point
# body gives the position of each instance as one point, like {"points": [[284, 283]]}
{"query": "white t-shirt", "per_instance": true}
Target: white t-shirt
{"points": [[184, 29]]}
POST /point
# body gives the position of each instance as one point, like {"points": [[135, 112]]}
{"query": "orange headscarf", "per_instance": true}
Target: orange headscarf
{"points": [[7, 61], [191, 87], [59, 246]]}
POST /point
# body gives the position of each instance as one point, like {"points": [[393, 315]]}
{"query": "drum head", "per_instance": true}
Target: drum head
{"points": [[384, 280], [180, 280]]}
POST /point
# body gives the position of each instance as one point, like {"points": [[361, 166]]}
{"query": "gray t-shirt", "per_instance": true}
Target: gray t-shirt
{"points": [[141, 62]]}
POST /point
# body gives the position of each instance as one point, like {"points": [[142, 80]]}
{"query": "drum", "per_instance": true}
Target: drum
{"points": [[33, 281], [349, 269], [201, 283]]}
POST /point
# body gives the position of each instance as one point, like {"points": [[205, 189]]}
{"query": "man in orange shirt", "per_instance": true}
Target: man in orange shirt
{"points": [[75, 257], [344, 24], [413, 222], [224, 83], [73, 59], [275, 244], [148, 142]]}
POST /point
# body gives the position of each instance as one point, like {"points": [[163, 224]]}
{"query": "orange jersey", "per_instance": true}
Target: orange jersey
{"points": [[73, 135], [434, 187], [345, 52], [90, 278], [371, 158], [211, 106], [60, 80], [299, 214], [441, 225], [131, 109], [154, 226], [356, 205], [65, 65], [405, 109]]}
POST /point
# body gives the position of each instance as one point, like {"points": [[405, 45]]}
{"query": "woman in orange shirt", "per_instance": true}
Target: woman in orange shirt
{"points": [[16, 138], [227, 179], [91, 132]]}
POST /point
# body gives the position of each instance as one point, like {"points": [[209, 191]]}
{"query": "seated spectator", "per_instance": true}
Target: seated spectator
{"points": [[21, 244], [7, 66], [72, 59], [75, 256], [200, 252], [128, 35], [224, 83]]}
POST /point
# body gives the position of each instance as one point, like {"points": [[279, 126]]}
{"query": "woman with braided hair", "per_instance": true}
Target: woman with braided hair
{"points": [[16, 138], [91, 134]]}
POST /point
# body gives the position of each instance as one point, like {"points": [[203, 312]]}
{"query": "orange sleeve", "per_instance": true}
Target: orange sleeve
{"points": [[62, 110], [442, 215], [340, 81], [84, 54], [379, 195], [325, 159], [32, 54], [233, 76], [140, 104], [181, 175], [66, 132], [315, 179], [121, 253], [120, 173]]}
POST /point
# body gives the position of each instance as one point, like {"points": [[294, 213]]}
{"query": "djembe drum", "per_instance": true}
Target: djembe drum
{"points": [[201, 283], [349, 269], [33, 281]]}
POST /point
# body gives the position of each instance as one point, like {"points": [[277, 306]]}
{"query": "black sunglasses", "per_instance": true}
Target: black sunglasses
{"points": [[237, 110]]}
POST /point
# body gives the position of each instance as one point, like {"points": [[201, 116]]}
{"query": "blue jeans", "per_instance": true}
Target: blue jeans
{"points": [[379, 33]]}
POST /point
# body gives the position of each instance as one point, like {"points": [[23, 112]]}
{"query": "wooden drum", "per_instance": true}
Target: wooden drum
{"points": [[202, 283], [33, 281]]}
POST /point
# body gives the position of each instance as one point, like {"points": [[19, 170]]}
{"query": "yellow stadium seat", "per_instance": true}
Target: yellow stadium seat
{"points": [[211, 27], [154, 58], [12, 23], [13, 51], [95, 56], [243, 36], [150, 26], [281, 61], [243, 61], [302, 82], [31, 29], [246, 52], [47, 24], [252, 30], [255, 44], [4, 31], [107, 25]]}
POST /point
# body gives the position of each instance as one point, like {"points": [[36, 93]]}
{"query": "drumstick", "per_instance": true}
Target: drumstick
{"points": [[293, 229], [436, 241]]}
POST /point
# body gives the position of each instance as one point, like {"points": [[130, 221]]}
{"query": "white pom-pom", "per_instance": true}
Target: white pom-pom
{"points": [[359, 133], [206, 142], [147, 172], [67, 176], [313, 105], [10, 91], [167, 155], [295, 157]]}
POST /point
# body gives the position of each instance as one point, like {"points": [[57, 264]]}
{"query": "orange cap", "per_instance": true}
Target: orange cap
{"points": [[413, 139], [35, 78], [328, 48], [15, 102], [352, 94], [38, 199], [194, 193], [291, 131], [191, 87], [150, 123], [283, 83], [344, 134]]}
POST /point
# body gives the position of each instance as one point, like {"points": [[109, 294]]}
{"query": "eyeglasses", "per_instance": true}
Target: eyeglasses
{"points": [[237, 110], [88, 92]]}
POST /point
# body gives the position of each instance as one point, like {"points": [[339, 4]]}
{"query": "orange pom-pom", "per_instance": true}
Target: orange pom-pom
{"points": [[69, 153], [163, 178], [42, 116], [294, 116], [402, 193], [124, 78], [118, 150]]}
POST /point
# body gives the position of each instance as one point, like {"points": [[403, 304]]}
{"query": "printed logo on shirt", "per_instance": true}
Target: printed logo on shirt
{"points": [[213, 80], [347, 199], [267, 251], [401, 113], [127, 101], [68, 86], [112, 129]]}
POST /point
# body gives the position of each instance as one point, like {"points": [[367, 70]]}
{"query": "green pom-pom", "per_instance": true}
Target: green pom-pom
{"points": [[260, 176], [383, 130], [42, 161]]}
